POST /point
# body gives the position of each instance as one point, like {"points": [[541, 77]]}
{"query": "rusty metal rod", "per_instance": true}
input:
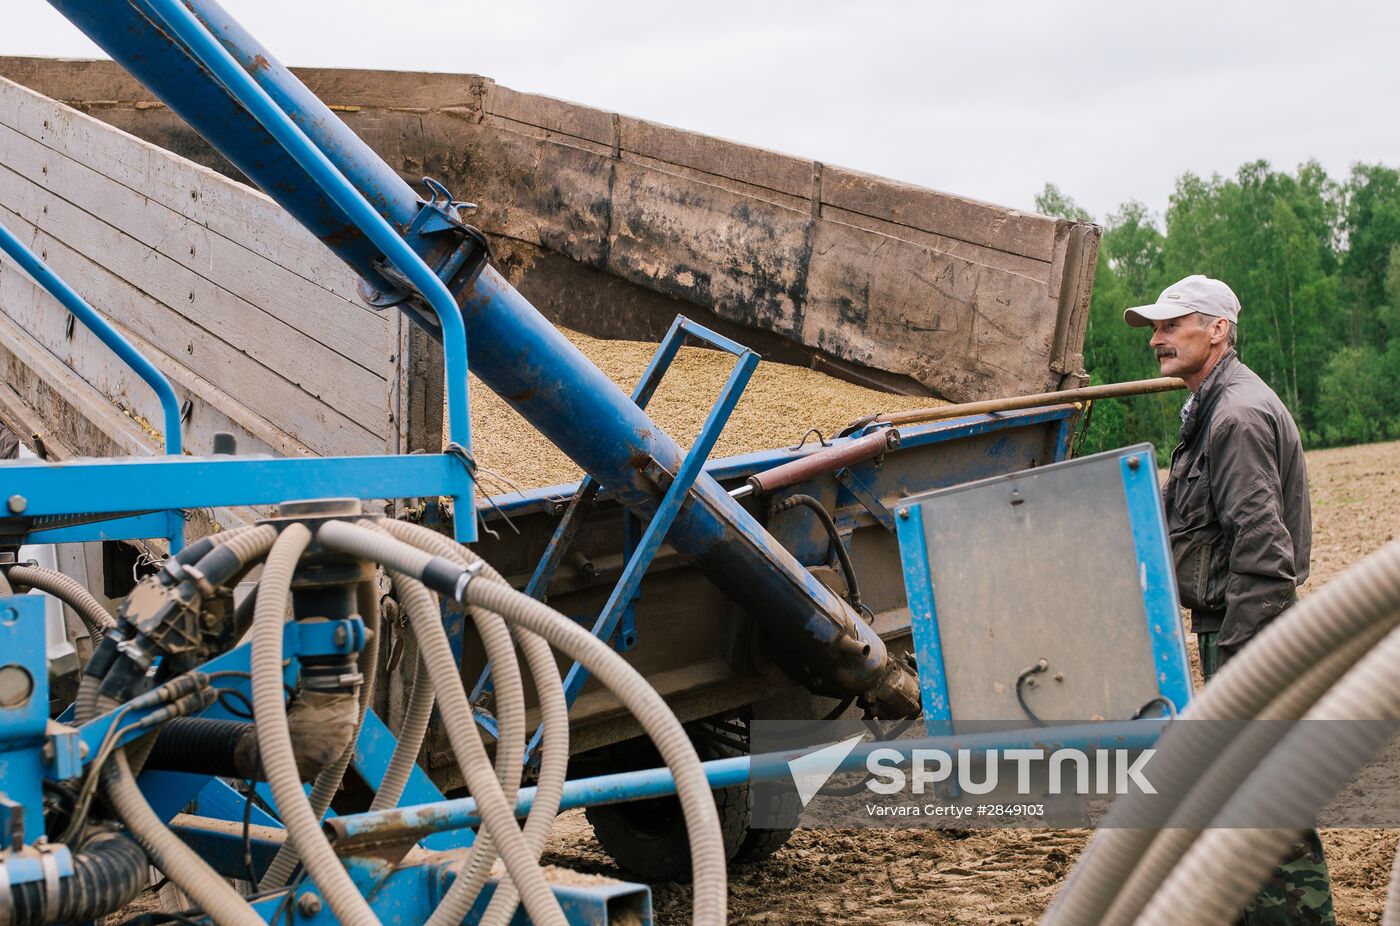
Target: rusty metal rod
{"points": [[1011, 403], [823, 461]]}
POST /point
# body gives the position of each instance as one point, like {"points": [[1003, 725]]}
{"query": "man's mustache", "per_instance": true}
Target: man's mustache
{"points": [[1164, 352]]}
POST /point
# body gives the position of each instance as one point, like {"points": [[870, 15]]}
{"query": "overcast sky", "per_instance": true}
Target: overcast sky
{"points": [[1109, 100]]}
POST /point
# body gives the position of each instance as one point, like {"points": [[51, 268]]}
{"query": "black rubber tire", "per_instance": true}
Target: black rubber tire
{"points": [[758, 843], [648, 839]]}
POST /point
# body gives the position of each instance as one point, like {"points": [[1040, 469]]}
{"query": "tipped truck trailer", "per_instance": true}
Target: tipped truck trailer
{"points": [[770, 584]]}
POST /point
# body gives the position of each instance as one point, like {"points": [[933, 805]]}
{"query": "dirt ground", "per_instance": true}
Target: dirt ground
{"points": [[938, 877]]}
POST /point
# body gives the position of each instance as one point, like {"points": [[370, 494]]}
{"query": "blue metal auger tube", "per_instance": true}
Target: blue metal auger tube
{"points": [[515, 351]]}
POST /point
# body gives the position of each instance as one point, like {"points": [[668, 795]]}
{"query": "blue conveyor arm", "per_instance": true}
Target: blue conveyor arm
{"points": [[515, 351]]}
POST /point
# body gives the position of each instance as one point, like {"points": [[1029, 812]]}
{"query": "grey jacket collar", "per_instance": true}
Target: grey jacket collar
{"points": [[1204, 398]]}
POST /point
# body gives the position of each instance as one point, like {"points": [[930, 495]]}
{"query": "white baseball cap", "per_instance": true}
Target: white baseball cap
{"points": [[1196, 293]]}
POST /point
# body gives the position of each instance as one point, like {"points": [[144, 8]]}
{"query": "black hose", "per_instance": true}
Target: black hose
{"points": [[206, 746], [824, 516], [108, 873]]}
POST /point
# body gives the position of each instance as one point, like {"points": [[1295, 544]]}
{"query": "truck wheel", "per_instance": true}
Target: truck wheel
{"points": [[649, 838], [774, 805]]}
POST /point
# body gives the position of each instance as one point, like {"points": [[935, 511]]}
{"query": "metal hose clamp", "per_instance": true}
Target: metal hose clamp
{"points": [[468, 573], [49, 864]]}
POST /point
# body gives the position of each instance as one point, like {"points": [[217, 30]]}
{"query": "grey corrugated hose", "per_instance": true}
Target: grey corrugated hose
{"points": [[274, 739], [554, 744], [1351, 605], [1225, 867], [609, 668], [71, 592], [1243, 753]]}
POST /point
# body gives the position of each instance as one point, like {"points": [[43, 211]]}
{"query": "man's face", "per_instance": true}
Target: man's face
{"points": [[1183, 345]]}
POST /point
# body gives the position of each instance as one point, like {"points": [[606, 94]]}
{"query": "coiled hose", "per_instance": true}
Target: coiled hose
{"points": [[554, 743], [829, 525], [1241, 754], [1351, 605], [108, 872], [329, 778], [71, 592], [1225, 867], [303, 825], [627, 684]]}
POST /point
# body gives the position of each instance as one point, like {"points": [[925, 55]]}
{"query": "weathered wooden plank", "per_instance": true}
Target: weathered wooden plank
{"points": [[747, 259], [233, 210], [978, 254], [82, 353], [564, 204], [801, 203], [1023, 233], [414, 91], [267, 394], [270, 287], [266, 345], [556, 115], [43, 396], [558, 176], [960, 325], [759, 167]]}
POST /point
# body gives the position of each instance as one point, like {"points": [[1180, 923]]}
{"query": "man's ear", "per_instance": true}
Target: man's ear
{"points": [[1220, 330]]}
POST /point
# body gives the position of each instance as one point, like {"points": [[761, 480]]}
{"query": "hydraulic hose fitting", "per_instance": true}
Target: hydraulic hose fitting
{"points": [[324, 589]]}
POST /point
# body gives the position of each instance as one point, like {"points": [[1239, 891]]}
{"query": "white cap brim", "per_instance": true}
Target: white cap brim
{"points": [[1144, 315]]}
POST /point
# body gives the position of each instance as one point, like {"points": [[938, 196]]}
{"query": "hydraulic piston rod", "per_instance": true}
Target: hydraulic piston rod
{"points": [[514, 349]]}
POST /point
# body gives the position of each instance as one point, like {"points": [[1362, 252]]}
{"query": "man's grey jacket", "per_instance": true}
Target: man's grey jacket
{"points": [[1237, 505]]}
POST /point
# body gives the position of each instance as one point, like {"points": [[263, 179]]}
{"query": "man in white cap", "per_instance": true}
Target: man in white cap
{"points": [[1239, 518]]}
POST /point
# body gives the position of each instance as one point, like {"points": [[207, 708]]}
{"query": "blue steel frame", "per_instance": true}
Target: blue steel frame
{"points": [[1152, 549], [170, 523], [23, 727], [624, 594], [1153, 555], [415, 821]]}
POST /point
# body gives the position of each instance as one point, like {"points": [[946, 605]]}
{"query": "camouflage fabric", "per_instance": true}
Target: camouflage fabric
{"points": [[1299, 891]]}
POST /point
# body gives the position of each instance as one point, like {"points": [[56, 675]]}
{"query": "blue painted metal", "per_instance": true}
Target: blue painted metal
{"points": [[587, 489], [27, 865], [862, 493], [743, 465], [1156, 573], [625, 592], [130, 36], [155, 524], [30, 263], [372, 753], [625, 638], [219, 801], [1064, 431], [222, 848], [172, 523], [22, 726], [1156, 579], [323, 638], [923, 617], [124, 484], [420, 820], [408, 893]]}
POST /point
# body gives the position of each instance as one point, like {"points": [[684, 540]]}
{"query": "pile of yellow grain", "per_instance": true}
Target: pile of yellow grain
{"points": [[779, 404]]}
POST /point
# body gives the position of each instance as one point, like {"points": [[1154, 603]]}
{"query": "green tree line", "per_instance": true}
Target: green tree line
{"points": [[1316, 265]]}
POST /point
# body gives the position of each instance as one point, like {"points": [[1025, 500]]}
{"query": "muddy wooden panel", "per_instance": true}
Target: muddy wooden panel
{"points": [[256, 324], [710, 225]]}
